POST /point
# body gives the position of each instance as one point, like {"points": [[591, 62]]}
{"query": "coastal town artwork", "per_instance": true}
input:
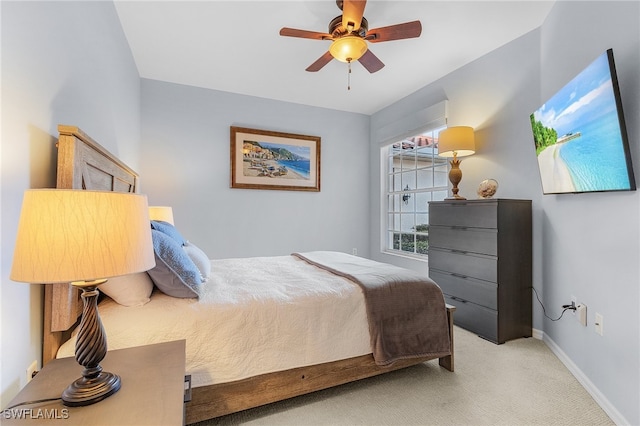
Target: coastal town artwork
{"points": [[274, 160]]}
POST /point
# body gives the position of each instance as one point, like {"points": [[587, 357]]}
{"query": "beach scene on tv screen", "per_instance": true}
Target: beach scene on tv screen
{"points": [[577, 134]]}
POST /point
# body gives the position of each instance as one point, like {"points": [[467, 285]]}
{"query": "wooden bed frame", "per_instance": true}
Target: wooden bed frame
{"points": [[84, 164]]}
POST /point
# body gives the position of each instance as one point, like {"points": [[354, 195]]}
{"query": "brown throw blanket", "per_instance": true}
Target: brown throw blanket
{"points": [[406, 310]]}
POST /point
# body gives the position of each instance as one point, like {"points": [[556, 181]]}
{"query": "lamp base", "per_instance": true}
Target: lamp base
{"points": [[91, 348], [86, 391], [455, 176]]}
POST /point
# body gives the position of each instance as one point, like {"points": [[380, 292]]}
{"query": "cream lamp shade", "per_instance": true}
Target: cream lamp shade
{"points": [[458, 140], [161, 213], [73, 235], [348, 48], [83, 237]]}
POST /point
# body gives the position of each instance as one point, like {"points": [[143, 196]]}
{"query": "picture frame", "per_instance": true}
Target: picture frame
{"points": [[264, 159]]}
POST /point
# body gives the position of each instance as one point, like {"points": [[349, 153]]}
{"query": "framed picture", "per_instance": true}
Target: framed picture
{"points": [[262, 159]]}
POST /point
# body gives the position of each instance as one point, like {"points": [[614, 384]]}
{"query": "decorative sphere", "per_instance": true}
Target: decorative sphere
{"points": [[487, 188]]}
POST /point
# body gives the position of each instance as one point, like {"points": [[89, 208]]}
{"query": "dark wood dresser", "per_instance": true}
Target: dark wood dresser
{"points": [[480, 254]]}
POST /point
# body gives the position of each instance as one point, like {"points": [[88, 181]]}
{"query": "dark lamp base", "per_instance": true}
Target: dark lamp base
{"points": [[89, 391]]}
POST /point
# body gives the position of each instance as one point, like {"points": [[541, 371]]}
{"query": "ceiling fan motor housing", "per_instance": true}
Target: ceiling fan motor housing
{"points": [[337, 30]]}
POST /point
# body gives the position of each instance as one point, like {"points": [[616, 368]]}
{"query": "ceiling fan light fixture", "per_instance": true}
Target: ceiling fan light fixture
{"points": [[350, 38], [348, 48]]}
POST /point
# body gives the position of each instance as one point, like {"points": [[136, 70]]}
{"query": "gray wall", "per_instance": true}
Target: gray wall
{"points": [[186, 141], [62, 63], [585, 245], [592, 241]]}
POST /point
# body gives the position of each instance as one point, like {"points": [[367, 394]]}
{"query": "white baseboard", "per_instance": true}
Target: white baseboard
{"points": [[537, 334], [595, 393]]}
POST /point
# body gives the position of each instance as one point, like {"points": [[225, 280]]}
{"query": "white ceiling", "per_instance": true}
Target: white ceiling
{"points": [[234, 46]]}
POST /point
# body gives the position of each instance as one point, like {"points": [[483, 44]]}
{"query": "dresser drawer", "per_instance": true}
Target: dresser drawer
{"points": [[460, 213], [465, 265], [475, 318], [479, 292], [475, 240]]}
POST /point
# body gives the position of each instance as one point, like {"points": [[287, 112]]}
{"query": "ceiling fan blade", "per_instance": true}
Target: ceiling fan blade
{"points": [[321, 62], [395, 32], [371, 61], [352, 12], [292, 32]]}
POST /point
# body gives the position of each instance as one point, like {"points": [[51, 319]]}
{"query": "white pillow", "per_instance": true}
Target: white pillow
{"points": [[129, 290], [200, 258]]}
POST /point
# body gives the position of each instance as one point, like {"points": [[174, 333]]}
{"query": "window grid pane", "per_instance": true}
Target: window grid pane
{"points": [[415, 176]]}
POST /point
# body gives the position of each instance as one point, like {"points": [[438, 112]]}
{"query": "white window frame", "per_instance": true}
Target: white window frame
{"points": [[408, 187]]}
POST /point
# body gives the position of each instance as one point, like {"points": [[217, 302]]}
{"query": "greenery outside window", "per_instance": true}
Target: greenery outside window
{"points": [[415, 175]]}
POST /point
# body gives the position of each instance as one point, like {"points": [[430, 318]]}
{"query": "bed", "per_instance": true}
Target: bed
{"points": [[308, 364]]}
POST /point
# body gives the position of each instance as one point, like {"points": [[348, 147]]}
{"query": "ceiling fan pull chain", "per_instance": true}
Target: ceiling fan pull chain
{"points": [[349, 76]]}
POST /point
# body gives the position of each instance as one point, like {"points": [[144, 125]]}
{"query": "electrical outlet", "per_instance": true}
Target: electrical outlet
{"points": [[599, 324], [581, 314], [574, 302], [354, 251], [31, 370]]}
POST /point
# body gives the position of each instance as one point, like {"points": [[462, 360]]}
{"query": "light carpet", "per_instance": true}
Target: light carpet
{"points": [[520, 382]]}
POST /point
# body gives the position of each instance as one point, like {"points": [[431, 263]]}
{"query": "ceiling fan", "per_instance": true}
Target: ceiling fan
{"points": [[350, 34]]}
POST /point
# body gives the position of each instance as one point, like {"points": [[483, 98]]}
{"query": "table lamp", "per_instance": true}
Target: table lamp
{"points": [[82, 238], [162, 213], [456, 142]]}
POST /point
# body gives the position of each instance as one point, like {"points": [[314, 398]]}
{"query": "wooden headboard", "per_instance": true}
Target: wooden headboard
{"points": [[82, 164]]}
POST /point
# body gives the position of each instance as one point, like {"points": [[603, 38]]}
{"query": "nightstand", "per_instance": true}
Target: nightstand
{"points": [[152, 391]]}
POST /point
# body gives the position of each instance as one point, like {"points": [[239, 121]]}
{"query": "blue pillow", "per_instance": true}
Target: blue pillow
{"points": [[175, 274], [168, 229], [200, 258]]}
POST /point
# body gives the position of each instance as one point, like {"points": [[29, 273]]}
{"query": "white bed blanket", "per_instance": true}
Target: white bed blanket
{"points": [[255, 316]]}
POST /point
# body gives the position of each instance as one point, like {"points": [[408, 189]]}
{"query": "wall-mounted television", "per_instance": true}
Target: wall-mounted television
{"points": [[580, 135]]}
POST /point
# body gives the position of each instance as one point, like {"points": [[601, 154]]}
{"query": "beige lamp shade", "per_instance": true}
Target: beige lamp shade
{"points": [[162, 213], [74, 235], [459, 140]]}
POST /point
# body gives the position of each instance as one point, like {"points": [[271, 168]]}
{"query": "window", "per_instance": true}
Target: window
{"points": [[415, 175]]}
